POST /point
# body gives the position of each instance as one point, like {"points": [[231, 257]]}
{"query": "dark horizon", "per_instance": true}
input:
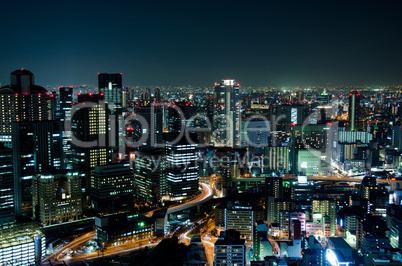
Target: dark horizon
{"points": [[266, 43]]}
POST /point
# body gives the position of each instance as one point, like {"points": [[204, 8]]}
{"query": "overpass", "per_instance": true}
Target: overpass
{"points": [[208, 192]]}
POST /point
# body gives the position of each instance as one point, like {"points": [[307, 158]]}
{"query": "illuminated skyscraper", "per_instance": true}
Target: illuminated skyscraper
{"points": [[149, 176], [66, 104], [6, 185], [37, 148], [181, 168], [112, 88], [354, 111], [22, 100], [89, 125], [226, 119], [112, 188], [153, 128]]}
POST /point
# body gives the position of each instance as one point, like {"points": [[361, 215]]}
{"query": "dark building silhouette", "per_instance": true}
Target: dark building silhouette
{"points": [[37, 148], [355, 111], [6, 185]]}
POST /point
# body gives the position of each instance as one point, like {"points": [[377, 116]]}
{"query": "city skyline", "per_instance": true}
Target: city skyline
{"points": [[180, 43]]}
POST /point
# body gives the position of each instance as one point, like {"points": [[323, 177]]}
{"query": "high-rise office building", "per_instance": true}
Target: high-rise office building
{"points": [[181, 168], [277, 159], [38, 147], [226, 116], [178, 116], [261, 245], [292, 113], [240, 218], [228, 165], [326, 213], [89, 125], [157, 97], [149, 176], [66, 104], [315, 137], [57, 197], [6, 185], [111, 86], [150, 126], [355, 111], [22, 100], [112, 188]]}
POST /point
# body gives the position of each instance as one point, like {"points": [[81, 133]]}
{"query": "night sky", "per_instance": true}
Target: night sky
{"points": [[259, 43]]}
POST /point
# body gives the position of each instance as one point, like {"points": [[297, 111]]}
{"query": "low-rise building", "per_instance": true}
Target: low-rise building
{"points": [[57, 198], [230, 249], [118, 229], [22, 244]]}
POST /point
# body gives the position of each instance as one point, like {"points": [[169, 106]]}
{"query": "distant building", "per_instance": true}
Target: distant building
{"points": [[111, 86], [226, 117], [261, 245], [277, 159], [314, 138], [327, 211], [66, 105], [295, 114], [255, 133], [355, 111], [397, 137], [309, 162]]}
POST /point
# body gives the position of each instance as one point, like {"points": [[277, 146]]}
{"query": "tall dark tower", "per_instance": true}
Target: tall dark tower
{"points": [[157, 95], [38, 147], [7, 201], [111, 86], [354, 111], [66, 102]]}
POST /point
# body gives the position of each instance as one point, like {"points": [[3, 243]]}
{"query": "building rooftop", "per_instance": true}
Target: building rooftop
{"points": [[338, 242]]}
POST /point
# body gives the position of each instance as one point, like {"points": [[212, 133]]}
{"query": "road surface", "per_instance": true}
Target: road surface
{"points": [[207, 193], [75, 244]]}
